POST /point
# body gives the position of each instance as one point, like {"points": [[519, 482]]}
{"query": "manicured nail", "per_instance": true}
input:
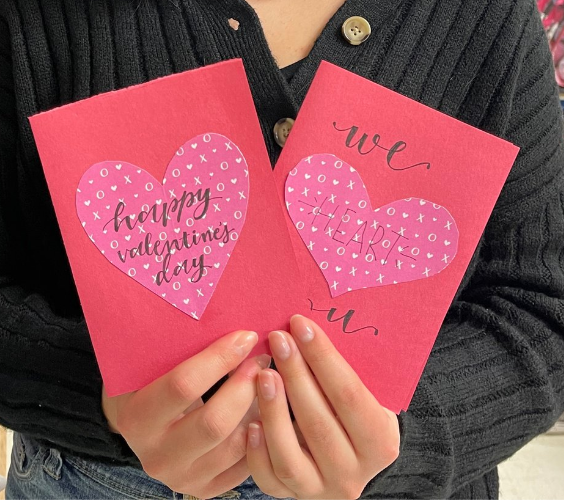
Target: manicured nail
{"points": [[302, 329], [267, 385], [263, 360], [254, 435], [279, 345], [245, 342]]}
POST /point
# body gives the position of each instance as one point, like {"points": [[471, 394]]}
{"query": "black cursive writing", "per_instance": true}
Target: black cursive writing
{"points": [[346, 318], [396, 148]]}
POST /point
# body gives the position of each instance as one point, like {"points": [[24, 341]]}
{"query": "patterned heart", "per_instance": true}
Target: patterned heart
{"points": [[358, 247], [174, 238]]}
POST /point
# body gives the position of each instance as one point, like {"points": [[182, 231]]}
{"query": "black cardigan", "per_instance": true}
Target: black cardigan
{"points": [[495, 377]]}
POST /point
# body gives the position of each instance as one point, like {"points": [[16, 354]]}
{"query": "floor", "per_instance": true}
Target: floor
{"points": [[534, 473]]}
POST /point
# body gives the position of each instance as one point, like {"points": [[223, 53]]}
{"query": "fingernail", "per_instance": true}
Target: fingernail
{"points": [[279, 345], [263, 360], [302, 329], [254, 435], [267, 385], [245, 342]]}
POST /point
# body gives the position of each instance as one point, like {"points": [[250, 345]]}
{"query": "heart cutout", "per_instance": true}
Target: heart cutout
{"points": [[176, 237], [406, 240]]}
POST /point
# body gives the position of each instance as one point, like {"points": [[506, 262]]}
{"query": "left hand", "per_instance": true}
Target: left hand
{"points": [[344, 437]]}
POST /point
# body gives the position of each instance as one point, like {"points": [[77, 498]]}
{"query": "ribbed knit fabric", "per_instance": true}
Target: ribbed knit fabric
{"points": [[495, 377]]}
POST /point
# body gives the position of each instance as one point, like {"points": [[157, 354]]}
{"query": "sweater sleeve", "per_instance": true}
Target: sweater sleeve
{"points": [[495, 376], [50, 384]]}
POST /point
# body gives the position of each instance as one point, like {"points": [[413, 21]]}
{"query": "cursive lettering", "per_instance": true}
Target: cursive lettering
{"points": [[346, 318], [352, 141]]}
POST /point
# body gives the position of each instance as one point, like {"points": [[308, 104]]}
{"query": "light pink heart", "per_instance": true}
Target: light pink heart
{"points": [[358, 247], [182, 256]]}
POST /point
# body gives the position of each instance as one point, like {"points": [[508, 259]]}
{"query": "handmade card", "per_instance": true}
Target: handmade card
{"points": [[386, 200], [170, 217]]}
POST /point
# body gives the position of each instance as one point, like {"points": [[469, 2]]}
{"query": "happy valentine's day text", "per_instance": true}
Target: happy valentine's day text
{"points": [[161, 213]]}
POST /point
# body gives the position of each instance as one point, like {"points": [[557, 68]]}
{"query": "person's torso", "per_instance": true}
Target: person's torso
{"points": [[455, 56]]}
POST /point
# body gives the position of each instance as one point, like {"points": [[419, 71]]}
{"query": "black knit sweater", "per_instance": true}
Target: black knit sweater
{"points": [[495, 377]]}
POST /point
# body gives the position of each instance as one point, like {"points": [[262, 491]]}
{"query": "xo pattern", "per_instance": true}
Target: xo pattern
{"points": [[180, 232], [356, 246]]}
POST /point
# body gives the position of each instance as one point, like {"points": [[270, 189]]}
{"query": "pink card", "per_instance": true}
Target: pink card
{"points": [[386, 200], [170, 217]]}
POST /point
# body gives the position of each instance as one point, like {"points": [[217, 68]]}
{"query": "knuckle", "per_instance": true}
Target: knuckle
{"points": [[273, 491], [306, 492], [153, 467], [391, 450], [351, 492], [213, 426], [182, 484], [183, 386], [294, 377], [125, 422], [319, 430], [351, 394], [287, 471], [238, 445]]}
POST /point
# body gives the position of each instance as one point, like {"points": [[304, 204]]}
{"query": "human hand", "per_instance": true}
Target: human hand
{"points": [[192, 447], [342, 436]]}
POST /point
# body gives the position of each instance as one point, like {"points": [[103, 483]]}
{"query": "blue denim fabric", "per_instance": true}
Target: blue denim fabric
{"points": [[43, 473]]}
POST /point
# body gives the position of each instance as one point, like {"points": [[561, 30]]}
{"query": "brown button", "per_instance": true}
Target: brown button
{"points": [[356, 30], [282, 130]]}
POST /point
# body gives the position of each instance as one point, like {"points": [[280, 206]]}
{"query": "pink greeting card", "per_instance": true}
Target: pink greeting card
{"points": [[386, 200], [168, 209]]}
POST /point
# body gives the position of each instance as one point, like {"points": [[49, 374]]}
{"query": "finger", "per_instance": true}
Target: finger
{"points": [[260, 465], [326, 439], [253, 413], [225, 481], [233, 371], [359, 412], [300, 436], [204, 428], [195, 405], [229, 479], [291, 465], [224, 456], [159, 403], [230, 451]]}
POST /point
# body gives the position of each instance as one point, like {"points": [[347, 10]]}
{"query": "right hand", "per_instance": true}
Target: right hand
{"points": [[192, 447]]}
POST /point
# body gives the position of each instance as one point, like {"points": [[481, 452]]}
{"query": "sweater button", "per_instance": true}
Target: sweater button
{"points": [[356, 30], [282, 130]]}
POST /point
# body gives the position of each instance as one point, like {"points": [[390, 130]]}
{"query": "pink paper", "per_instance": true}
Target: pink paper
{"points": [[155, 131], [355, 246], [393, 149], [174, 238]]}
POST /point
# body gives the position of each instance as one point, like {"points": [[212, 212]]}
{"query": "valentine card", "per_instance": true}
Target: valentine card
{"points": [[386, 200], [165, 199]]}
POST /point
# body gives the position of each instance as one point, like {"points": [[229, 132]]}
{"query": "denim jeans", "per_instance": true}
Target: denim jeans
{"points": [[43, 473]]}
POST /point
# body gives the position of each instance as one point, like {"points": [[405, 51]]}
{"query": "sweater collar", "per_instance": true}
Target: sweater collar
{"points": [[215, 40]]}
